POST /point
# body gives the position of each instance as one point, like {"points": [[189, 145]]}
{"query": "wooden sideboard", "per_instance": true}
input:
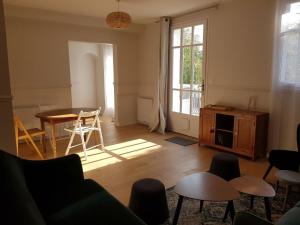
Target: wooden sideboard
{"points": [[237, 131]]}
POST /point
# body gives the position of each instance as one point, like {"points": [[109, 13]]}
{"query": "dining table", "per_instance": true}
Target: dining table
{"points": [[57, 116]]}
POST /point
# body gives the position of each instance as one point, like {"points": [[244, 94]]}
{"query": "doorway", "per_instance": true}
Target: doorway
{"points": [[92, 77], [188, 48]]}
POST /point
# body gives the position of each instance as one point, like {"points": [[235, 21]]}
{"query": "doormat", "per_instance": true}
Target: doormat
{"points": [[182, 141]]}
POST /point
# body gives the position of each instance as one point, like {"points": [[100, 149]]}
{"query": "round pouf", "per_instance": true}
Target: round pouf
{"points": [[225, 166], [148, 201]]}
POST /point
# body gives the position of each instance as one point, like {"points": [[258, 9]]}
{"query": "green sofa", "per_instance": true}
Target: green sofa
{"points": [[291, 217], [54, 192]]}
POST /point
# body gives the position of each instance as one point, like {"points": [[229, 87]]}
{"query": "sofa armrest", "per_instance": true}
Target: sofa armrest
{"points": [[54, 172], [243, 218]]}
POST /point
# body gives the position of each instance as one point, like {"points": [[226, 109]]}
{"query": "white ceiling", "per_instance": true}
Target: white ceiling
{"points": [[142, 11]]}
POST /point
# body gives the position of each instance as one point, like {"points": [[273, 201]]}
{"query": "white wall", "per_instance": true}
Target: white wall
{"points": [[86, 70], [39, 59], [7, 137], [149, 42], [240, 40], [239, 54]]}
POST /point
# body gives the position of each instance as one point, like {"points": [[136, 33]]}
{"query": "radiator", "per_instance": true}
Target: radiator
{"points": [[144, 110]]}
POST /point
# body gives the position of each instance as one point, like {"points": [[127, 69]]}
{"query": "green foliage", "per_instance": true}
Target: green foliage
{"points": [[188, 68]]}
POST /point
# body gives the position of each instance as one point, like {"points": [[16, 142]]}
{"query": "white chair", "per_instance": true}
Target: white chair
{"points": [[82, 128], [60, 128]]}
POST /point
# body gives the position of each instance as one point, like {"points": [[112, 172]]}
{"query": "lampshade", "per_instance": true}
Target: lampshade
{"points": [[118, 20]]}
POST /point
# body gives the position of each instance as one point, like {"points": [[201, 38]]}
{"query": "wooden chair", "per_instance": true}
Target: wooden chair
{"points": [[23, 134], [82, 128]]}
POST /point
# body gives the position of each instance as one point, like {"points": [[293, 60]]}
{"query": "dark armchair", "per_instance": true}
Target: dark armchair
{"points": [[54, 192], [285, 159]]}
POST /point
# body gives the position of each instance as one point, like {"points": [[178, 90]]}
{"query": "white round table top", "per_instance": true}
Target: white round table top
{"points": [[206, 186], [288, 176], [253, 186]]}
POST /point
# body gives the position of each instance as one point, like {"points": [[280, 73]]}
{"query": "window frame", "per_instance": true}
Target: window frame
{"points": [[203, 90]]}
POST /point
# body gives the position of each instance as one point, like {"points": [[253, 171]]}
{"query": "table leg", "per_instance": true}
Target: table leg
{"points": [[287, 190], [251, 201], [178, 208], [53, 140], [277, 186], [268, 209], [229, 209], [43, 136], [201, 205], [84, 123]]}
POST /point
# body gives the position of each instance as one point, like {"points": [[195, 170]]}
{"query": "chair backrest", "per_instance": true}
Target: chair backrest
{"points": [[93, 115], [298, 137], [19, 126]]}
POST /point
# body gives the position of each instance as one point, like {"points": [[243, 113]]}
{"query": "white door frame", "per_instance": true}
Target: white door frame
{"points": [[179, 122], [115, 61]]}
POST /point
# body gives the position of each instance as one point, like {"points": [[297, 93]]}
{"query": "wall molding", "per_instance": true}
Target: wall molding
{"points": [[33, 88], [243, 88], [6, 98]]}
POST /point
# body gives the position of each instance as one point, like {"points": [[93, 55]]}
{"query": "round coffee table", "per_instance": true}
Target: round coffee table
{"points": [[205, 186], [256, 187], [289, 178]]}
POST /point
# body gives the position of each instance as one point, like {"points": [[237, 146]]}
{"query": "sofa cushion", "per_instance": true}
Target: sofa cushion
{"points": [[57, 199], [17, 205], [98, 209], [291, 217]]}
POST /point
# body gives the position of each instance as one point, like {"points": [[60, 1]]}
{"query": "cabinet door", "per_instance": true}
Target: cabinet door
{"points": [[207, 126], [244, 135]]}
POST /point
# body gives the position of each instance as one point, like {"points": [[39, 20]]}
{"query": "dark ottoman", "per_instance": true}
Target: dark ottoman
{"points": [[148, 201], [225, 166]]}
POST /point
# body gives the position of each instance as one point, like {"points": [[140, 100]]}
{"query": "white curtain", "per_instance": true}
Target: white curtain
{"points": [[108, 64], [161, 100], [285, 97]]}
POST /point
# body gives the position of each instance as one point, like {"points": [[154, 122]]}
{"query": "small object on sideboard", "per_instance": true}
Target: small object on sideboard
{"points": [[219, 107]]}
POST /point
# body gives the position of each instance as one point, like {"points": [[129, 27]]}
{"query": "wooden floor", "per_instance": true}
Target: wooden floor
{"points": [[132, 153]]}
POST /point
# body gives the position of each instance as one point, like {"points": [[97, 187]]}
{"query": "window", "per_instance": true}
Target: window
{"points": [[290, 45], [187, 53]]}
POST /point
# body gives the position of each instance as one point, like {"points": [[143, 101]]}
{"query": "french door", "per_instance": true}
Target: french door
{"points": [[188, 47]]}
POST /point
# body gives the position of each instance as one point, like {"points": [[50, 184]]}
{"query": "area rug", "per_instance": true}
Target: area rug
{"points": [[182, 141], [213, 212]]}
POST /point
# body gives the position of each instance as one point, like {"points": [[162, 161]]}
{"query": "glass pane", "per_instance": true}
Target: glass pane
{"points": [[176, 68], [187, 67], [196, 103], [290, 68], [185, 102], [176, 37], [198, 34], [198, 70], [176, 101], [187, 36]]}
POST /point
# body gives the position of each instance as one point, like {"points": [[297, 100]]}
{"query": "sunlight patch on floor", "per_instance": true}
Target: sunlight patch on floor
{"points": [[116, 153]]}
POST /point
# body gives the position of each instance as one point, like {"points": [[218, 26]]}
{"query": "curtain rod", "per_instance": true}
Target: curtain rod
{"points": [[214, 6]]}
